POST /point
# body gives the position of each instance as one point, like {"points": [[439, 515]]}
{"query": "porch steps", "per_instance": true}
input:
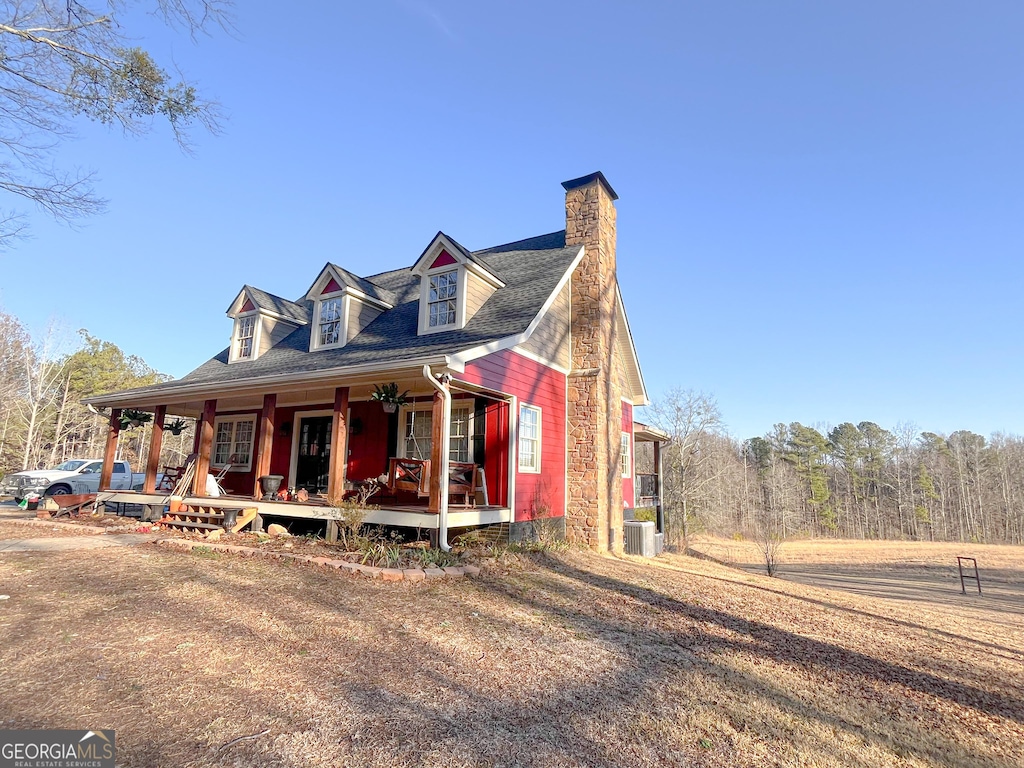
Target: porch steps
{"points": [[202, 519], [193, 520]]}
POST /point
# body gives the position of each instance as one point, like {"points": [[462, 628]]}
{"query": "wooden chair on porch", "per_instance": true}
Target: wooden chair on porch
{"points": [[170, 479], [462, 481], [411, 475]]}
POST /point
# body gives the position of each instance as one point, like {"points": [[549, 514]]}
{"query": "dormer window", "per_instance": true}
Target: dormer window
{"points": [[454, 285], [443, 298], [244, 337], [329, 324]]}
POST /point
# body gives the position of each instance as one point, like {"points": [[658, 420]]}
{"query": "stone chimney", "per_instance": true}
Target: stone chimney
{"points": [[594, 506]]}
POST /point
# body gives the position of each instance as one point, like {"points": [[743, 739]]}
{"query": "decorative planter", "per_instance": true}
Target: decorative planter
{"points": [[231, 516], [390, 407], [270, 484]]}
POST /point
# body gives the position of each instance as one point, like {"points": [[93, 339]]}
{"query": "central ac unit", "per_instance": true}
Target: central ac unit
{"points": [[639, 538]]}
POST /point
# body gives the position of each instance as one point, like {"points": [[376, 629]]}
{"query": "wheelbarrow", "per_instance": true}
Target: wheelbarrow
{"points": [[72, 503]]}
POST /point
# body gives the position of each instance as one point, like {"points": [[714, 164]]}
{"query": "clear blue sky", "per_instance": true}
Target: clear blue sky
{"points": [[821, 214]]}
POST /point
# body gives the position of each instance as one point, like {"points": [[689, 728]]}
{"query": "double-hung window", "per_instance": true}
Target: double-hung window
{"points": [[232, 442], [330, 322], [529, 438], [418, 440], [442, 299], [624, 457], [246, 333]]}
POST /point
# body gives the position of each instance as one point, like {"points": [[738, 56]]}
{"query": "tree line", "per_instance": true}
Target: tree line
{"points": [[853, 480], [43, 383]]}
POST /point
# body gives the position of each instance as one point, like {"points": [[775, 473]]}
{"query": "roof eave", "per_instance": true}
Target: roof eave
{"points": [[172, 393]]}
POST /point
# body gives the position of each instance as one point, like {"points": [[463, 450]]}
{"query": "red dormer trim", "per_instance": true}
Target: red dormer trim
{"points": [[248, 306], [332, 287], [443, 260]]}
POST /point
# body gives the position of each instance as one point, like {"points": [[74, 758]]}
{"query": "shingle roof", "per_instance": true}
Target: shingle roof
{"points": [[476, 258], [290, 310], [531, 269]]}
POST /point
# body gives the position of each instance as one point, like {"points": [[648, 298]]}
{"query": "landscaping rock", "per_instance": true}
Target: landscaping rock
{"points": [[277, 530], [454, 572], [392, 574], [433, 573], [414, 574], [471, 570], [215, 534]]}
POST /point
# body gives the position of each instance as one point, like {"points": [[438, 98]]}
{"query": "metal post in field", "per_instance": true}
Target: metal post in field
{"points": [[967, 577]]}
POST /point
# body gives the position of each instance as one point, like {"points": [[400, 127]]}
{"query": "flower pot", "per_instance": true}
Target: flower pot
{"points": [[269, 485], [390, 407], [230, 519]]}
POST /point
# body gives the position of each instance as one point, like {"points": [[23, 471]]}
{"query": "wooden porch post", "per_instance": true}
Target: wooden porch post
{"points": [[339, 456], [205, 444], [437, 437], [110, 452], [660, 510], [266, 444], [156, 440]]}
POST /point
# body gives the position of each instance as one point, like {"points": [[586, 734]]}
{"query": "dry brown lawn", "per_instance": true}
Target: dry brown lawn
{"points": [[20, 530], [568, 660]]}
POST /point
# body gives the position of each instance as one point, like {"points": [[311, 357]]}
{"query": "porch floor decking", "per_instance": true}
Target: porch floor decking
{"points": [[409, 516]]}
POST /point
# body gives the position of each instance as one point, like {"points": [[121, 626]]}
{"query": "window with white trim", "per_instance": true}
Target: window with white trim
{"points": [[529, 438], [329, 325], [417, 436], [442, 298], [245, 333], [627, 464], [232, 442]]}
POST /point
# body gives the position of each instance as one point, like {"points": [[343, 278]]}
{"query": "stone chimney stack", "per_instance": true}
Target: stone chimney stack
{"points": [[594, 506]]}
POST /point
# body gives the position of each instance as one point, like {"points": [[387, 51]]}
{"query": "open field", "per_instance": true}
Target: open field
{"points": [[924, 573], [567, 660]]}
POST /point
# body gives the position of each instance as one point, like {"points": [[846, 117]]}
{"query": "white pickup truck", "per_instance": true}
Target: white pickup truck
{"points": [[73, 476]]}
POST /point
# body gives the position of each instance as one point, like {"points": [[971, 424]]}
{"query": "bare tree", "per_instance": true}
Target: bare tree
{"points": [[63, 58], [44, 372], [692, 420]]}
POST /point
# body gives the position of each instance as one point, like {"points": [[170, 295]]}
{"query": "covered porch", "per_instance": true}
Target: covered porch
{"points": [[294, 432]]}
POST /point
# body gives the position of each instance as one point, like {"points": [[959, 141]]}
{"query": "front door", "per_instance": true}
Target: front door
{"points": [[312, 466]]}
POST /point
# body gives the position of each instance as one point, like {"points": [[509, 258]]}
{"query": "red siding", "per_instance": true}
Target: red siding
{"points": [[367, 450], [443, 260], [628, 499], [533, 384]]}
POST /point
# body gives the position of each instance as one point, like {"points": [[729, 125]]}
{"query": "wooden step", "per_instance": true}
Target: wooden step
{"points": [[188, 526], [194, 515]]}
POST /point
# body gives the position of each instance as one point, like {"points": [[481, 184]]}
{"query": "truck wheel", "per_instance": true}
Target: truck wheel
{"points": [[58, 490], [17, 499]]}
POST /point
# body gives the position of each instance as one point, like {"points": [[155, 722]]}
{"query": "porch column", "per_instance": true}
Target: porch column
{"points": [[205, 444], [110, 452], [266, 444], [339, 455], [156, 440], [438, 472], [660, 510]]}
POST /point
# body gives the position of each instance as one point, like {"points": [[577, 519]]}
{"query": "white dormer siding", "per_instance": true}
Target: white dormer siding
{"points": [[452, 286]]}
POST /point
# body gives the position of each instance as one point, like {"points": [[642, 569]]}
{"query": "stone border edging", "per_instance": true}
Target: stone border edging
{"points": [[354, 569], [37, 522]]}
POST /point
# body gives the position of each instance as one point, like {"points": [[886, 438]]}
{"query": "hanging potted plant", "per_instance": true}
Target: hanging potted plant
{"points": [[131, 418], [176, 427], [388, 396]]}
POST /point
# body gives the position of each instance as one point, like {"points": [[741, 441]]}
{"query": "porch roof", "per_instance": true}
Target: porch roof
{"points": [[533, 269]]}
